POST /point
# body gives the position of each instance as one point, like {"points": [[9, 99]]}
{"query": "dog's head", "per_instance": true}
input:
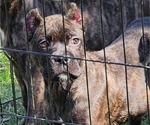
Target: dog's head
{"points": [[63, 41]]}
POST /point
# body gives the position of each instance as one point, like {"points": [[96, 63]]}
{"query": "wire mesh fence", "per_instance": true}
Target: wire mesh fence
{"points": [[68, 63]]}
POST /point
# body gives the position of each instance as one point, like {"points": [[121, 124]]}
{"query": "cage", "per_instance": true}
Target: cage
{"points": [[35, 89]]}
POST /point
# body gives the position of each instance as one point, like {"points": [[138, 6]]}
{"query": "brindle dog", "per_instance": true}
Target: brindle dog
{"points": [[12, 22], [105, 17], [76, 90]]}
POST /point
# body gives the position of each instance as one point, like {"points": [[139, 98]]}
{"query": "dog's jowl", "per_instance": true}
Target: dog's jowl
{"points": [[66, 77]]}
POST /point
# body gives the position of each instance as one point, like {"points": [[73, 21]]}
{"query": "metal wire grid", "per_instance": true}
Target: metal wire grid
{"points": [[28, 52]]}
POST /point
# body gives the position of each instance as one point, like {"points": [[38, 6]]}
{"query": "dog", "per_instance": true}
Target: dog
{"points": [[105, 18], [80, 87], [12, 22], [105, 21]]}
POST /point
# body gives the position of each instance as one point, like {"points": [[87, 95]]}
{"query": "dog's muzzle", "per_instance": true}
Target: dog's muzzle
{"points": [[66, 65], [61, 60]]}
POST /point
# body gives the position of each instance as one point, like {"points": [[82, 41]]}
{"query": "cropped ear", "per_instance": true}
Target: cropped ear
{"points": [[74, 13], [33, 20], [144, 49]]}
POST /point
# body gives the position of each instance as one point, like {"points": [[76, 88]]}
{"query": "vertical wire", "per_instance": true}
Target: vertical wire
{"points": [[86, 70], [106, 75], [30, 85], [47, 58], [13, 87], [125, 60], [146, 86], [43, 12], [1, 107], [64, 39], [11, 65]]}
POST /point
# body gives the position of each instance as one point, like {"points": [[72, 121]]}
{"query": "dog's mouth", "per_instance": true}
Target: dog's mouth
{"points": [[66, 67], [63, 80], [62, 70], [65, 74], [63, 66]]}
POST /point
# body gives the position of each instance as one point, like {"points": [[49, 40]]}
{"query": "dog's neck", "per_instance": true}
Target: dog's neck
{"points": [[58, 93]]}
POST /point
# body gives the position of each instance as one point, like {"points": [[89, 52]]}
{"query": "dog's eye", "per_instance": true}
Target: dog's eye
{"points": [[75, 41], [43, 44]]}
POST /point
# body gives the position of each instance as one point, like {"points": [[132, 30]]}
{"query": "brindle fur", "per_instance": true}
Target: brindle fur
{"points": [[12, 22], [66, 95], [110, 12], [144, 52]]}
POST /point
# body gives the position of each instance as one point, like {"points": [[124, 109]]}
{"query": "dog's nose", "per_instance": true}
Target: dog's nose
{"points": [[61, 60]]}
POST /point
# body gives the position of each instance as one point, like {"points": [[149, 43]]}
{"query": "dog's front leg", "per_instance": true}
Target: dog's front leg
{"points": [[38, 92], [35, 97]]}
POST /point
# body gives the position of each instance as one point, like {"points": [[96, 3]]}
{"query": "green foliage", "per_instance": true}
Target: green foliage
{"points": [[6, 94]]}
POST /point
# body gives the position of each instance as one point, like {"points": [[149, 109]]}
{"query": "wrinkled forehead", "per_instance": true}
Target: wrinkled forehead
{"points": [[57, 26]]}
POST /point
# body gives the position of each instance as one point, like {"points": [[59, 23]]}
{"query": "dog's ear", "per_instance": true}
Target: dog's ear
{"points": [[144, 49], [33, 20], [74, 13]]}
